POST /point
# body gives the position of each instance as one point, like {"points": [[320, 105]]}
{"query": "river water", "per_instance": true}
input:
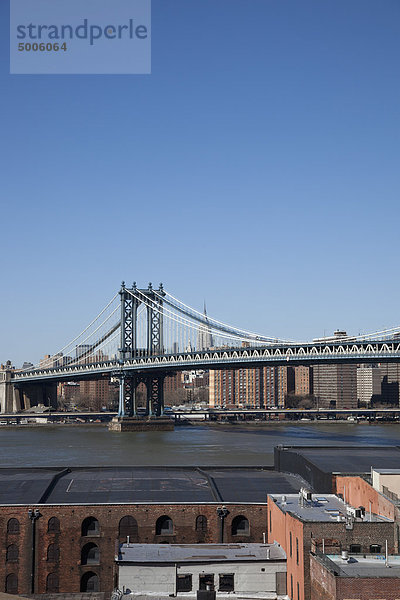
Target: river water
{"points": [[234, 445]]}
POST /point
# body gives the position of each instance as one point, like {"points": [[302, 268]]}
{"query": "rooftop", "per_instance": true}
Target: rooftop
{"points": [[179, 553], [369, 566], [322, 508], [349, 459], [131, 485], [387, 471]]}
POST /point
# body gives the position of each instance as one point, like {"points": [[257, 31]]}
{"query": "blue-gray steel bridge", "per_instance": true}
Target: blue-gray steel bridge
{"points": [[144, 335]]}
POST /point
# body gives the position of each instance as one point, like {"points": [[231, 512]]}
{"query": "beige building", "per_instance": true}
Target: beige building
{"points": [[335, 386], [368, 383]]}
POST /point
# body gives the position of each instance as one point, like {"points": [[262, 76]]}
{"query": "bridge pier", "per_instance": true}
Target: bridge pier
{"points": [[10, 401], [15, 397], [154, 395]]}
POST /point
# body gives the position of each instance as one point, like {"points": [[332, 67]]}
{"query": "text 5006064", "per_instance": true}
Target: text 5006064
{"points": [[42, 47]]}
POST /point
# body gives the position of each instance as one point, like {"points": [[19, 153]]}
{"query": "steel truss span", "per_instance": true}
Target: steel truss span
{"points": [[145, 334]]}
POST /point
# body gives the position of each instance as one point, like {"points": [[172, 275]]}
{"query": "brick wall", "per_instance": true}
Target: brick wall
{"points": [[323, 582], [70, 542], [283, 527], [326, 586], [359, 492]]}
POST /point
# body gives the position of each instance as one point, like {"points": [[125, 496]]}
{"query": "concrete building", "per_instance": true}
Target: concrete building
{"points": [[308, 522], [335, 386], [387, 481], [367, 577], [368, 383], [232, 570]]}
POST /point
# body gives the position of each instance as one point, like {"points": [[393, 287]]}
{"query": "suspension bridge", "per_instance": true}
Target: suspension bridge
{"points": [[144, 335]]}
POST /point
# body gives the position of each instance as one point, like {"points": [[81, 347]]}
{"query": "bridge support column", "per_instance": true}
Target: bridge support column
{"points": [[121, 402], [155, 395]]}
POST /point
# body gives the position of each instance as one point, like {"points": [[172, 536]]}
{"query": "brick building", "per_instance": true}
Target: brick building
{"points": [[358, 578], [98, 393], [67, 523], [256, 387], [321, 523], [303, 381]]}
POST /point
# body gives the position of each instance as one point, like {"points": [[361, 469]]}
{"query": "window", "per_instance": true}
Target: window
{"points": [[206, 581], [53, 525], [12, 553], [290, 543], [13, 526], [89, 582], [201, 523], [128, 527], [90, 526], [298, 591], [164, 526], [183, 583], [90, 554], [11, 584], [53, 553], [291, 586], [240, 526], [297, 550], [52, 583], [375, 548], [226, 582], [355, 548]]}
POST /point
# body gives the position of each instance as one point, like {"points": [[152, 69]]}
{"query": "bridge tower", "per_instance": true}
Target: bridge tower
{"points": [[131, 299]]}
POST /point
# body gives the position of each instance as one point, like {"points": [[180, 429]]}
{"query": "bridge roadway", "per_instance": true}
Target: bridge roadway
{"points": [[219, 414], [223, 358]]}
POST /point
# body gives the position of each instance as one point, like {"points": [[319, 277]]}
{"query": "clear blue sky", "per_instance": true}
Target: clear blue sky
{"points": [[257, 167]]}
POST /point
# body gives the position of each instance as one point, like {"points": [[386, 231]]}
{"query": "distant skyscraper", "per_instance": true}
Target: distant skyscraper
{"points": [[204, 336]]}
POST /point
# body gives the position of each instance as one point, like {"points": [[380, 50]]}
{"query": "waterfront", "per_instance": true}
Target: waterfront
{"points": [[188, 446]]}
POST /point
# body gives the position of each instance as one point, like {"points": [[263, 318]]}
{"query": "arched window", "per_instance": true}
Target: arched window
{"points": [[90, 582], [11, 584], [53, 525], [128, 527], [12, 553], [164, 526], [90, 526], [52, 583], [90, 554], [201, 524], [240, 526], [13, 526], [53, 553]]}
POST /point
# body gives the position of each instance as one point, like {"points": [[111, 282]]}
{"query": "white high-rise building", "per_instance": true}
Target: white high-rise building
{"points": [[368, 383]]}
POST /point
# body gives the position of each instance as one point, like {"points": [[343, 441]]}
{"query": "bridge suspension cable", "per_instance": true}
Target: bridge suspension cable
{"points": [[181, 329]]}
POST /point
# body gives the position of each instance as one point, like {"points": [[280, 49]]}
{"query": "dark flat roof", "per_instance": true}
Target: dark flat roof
{"points": [[131, 485], [349, 459]]}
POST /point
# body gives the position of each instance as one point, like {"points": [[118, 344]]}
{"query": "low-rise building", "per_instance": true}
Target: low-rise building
{"points": [[231, 570], [337, 577], [307, 522]]}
